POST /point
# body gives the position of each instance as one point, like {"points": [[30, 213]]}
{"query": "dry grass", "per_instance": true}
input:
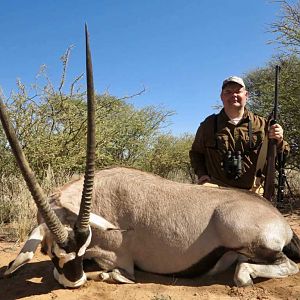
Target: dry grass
{"points": [[17, 208], [179, 176], [292, 190], [293, 178]]}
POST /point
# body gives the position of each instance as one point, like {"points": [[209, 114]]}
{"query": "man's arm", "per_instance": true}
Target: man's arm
{"points": [[197, 156]]}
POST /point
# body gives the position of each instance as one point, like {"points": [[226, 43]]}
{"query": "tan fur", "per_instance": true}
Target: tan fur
{"points": [[171, 226]]}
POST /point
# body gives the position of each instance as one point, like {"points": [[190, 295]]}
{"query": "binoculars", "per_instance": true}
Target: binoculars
{"points": [[232, 165]]}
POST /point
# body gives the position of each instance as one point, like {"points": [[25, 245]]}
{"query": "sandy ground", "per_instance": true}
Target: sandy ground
{"points": [[35, 281]]}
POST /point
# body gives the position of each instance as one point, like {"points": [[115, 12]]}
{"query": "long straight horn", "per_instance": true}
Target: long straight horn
{"points": [[51, 219], [87, 193]]}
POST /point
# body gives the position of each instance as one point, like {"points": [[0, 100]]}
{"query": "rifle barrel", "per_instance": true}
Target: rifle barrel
{"points": [[277, 70]]}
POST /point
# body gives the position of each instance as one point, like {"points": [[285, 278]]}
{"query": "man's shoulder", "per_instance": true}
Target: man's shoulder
{"points": [[256, 119], [210, 119]]}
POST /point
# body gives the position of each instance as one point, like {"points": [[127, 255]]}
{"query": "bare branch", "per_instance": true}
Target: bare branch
{"points": [[65, 60], [287, 27], [77, 79], [134, 95]]}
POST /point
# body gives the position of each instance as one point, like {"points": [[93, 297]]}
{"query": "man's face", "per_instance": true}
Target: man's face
{"points": [[234, 96]]}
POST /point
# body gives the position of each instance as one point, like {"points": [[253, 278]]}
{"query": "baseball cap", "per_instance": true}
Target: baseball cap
{"points": [[235, 79]]}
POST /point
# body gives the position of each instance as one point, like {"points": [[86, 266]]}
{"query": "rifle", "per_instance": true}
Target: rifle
{"points": [[269, 188]]}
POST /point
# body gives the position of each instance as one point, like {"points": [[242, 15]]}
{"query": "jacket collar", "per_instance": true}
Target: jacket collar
{"points": [[225, 118]]}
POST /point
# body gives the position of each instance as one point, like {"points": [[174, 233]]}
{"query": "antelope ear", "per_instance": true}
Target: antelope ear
{"points": [[28, 250], [100, 223]]}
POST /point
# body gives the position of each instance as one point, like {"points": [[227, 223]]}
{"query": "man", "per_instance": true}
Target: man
{"points": [[227, 145]]}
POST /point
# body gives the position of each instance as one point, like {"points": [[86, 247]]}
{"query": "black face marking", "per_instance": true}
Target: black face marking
{"points": [[203, 265], [75, 241], [55, 261], [73, 269], [81, 237]]}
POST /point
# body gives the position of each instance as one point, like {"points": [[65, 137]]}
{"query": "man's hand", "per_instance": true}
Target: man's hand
{"points": [[276, 132]]}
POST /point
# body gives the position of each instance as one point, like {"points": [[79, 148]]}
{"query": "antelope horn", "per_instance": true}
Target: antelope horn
{"points": [[59, 231], [87, 193]]}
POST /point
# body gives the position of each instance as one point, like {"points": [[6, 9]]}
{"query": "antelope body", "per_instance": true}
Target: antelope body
{"points": [[122, 218], [176, 228], [172, 226]]}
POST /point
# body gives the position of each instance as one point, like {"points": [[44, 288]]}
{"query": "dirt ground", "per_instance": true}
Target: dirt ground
{"points": [[35, 281]]}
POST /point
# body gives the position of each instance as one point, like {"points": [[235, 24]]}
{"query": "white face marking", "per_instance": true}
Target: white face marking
{"points": [[65, 257], [62, 255], [67, 283], [88, 241]]}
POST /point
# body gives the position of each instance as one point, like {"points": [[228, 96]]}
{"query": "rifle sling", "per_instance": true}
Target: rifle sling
{"points": [[262, 157]]}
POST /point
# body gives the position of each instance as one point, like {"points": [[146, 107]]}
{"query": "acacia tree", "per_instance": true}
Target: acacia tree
{"points": [[126, 133], [52, 132], [260, 84], [287, 27], [51, 126], [169, 157]]}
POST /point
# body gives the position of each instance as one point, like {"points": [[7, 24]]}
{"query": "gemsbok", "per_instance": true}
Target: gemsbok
{"points": [[124, 218]]}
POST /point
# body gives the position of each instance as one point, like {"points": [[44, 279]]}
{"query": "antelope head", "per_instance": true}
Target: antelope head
{"points": [[67, 245]]}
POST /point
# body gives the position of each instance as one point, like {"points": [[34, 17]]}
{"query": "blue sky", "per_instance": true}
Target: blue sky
{"points": [[179, 50]]}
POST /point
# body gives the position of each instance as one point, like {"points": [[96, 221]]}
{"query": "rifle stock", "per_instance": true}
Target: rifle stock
{"points": [[269, 188]]}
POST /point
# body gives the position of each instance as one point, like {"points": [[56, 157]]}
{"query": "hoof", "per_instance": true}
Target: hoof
{"points": [[242, 283]]}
